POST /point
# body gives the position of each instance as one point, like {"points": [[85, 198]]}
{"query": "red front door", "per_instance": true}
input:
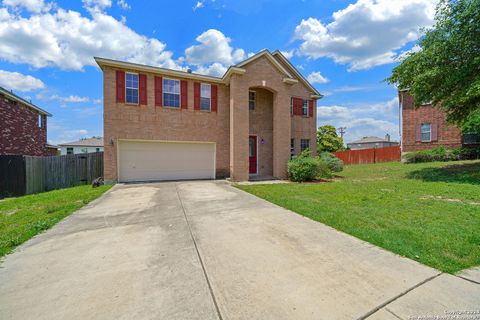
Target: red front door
{"points": [[252, 154]]}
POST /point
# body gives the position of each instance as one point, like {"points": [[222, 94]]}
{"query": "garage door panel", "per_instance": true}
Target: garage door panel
{"points": [[153, 161]]}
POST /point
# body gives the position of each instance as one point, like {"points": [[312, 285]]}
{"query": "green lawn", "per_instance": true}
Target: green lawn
{"points": [[429, 212], [23, 217]]}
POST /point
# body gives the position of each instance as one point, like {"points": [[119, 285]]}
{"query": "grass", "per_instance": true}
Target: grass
{"points": [[23, 217], [429, 212]]}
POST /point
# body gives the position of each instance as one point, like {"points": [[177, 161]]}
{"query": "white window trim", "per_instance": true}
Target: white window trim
{"points": [[138, 89], [179, 94], [254, 100], [430, 133], [40, 121], [305, 102], [209, 98]]}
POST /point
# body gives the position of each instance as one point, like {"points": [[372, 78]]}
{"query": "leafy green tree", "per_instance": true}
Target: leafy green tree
{"points": [[446, 69], [328, 140], [472, 123]]}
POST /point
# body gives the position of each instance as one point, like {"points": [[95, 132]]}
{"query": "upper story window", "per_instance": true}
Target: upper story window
{"points": [[304, 144], [171, 93], [205, 97], [252, 98], [426, 131], [305, 108], [131, 87]]}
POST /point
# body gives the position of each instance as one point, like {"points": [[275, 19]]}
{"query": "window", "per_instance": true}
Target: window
{"points": [[305, 108], [69, 150], [97, 149], [205, 97], [304, 144], [291, 106], [252, 96], [292, 148], [85, 150], [40, 124], [471, 138], [171, 93], [426, 131], [131, 85]]}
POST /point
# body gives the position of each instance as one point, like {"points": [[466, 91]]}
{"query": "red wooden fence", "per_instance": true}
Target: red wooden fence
{"points": [[375, 155]]}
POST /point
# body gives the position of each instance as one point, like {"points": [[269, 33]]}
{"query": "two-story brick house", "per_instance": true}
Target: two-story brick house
{"points": [[23, 127], [425, 127], [162, 124]]}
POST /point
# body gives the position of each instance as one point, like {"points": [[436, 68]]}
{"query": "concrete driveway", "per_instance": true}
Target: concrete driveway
{"points": [[206, 250]]}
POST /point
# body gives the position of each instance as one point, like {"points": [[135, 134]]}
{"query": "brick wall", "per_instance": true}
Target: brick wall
{"points": [[447, 135], [228, 126], [19, 130]]}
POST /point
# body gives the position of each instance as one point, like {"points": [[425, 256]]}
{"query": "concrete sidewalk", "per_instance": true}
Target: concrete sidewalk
{"points": [[206, 250]]}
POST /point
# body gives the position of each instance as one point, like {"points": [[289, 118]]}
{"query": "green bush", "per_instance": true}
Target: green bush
{"points": [[442, 154], [307, 168], [334, 164]]}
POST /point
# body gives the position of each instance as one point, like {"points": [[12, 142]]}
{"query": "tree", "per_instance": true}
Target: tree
{"points": [[446, 69], [328, 140]]}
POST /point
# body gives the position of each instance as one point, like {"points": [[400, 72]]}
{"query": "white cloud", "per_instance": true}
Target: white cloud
{"points": [[316, 77], [288, 54], [123, 4], [35, 6], [198, 5], [367, 33], [374, 119], [19, 82], [68, 40], [214, 50], [45, 96], [98, 5], [215, 69]]}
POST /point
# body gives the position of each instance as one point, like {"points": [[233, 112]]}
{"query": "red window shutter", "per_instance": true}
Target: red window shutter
{"points": [[214, 96], [310, 107], [196, 95], [158, 91], [142, 86], [120, 86], [297, 106], [434, 132], [184, 94], [418, 132]]}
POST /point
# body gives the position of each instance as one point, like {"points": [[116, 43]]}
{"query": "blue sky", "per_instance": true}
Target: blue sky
{"points": [[346, 48]]}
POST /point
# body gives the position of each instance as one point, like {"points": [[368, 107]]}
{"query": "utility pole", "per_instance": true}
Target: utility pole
{"points": [[342, 131]]}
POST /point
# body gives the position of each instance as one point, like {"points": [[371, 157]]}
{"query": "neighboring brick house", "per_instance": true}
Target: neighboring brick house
{"points": [[23, 127], [162, 124], [425, 127]]}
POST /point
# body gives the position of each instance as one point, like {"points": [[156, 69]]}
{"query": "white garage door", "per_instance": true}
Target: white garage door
{"points": [[154, 161]]}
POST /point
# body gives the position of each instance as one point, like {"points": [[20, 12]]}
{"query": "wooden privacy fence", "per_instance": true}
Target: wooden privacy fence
{"points": [[374, 155], [20, 175]]}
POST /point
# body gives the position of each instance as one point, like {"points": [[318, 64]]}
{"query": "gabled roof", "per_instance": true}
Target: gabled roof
{"points": [[87, 142], [291, 73], [265, 53], [13, 96], [278, 54]]}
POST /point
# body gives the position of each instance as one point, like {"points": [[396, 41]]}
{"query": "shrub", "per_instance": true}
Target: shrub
{"points": [[307, 168], [442, 154], [334, 164], [303, 167]]}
